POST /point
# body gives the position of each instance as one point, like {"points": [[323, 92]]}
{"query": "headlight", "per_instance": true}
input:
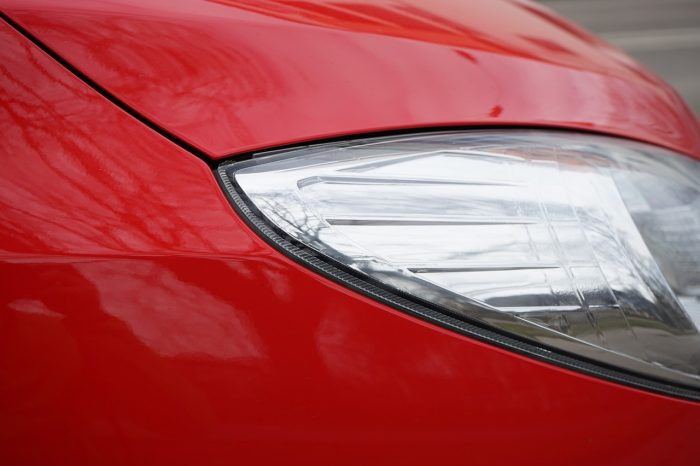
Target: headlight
{"points": [[586, 244]]}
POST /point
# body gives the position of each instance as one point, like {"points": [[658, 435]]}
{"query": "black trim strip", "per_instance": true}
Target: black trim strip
{"points": [[366, 286], [107, 94]]}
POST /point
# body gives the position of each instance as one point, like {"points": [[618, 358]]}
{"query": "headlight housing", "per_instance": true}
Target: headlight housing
{"points": [[584, 244]]}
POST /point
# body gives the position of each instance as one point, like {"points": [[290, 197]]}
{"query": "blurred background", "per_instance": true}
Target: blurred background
{"points": [[664, 35]]}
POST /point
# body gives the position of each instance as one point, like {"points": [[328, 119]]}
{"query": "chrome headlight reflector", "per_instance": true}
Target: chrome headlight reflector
{"points": [[581, 243]]}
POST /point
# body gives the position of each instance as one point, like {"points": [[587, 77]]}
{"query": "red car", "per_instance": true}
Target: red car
{"points": [[341, 232]]}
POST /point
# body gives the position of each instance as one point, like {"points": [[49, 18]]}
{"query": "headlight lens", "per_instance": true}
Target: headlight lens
{"points": [[578, 242]]}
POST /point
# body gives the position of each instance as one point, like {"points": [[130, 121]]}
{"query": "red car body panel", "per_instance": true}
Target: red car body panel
{"points": [[143, 322], [231, 76]]}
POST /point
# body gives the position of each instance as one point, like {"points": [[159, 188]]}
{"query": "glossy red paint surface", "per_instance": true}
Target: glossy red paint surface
{"points": [[231, 76], [142, 322]]}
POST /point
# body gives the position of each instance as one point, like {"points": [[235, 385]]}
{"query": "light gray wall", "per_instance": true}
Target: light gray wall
{"points": [[664, 35]]}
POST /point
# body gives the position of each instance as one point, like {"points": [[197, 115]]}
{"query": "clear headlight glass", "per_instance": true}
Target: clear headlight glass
{"points": [[583, 243]]}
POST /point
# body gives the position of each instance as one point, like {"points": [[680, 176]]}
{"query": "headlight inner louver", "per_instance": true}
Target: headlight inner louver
{"points": [[583, 243]]}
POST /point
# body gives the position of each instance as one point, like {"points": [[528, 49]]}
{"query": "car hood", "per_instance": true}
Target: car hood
{"points": [[231, 76]]}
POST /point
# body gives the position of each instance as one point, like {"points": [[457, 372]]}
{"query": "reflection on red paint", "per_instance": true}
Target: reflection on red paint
{"points": [[142, 322], [233, 76], [443, 22]]}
